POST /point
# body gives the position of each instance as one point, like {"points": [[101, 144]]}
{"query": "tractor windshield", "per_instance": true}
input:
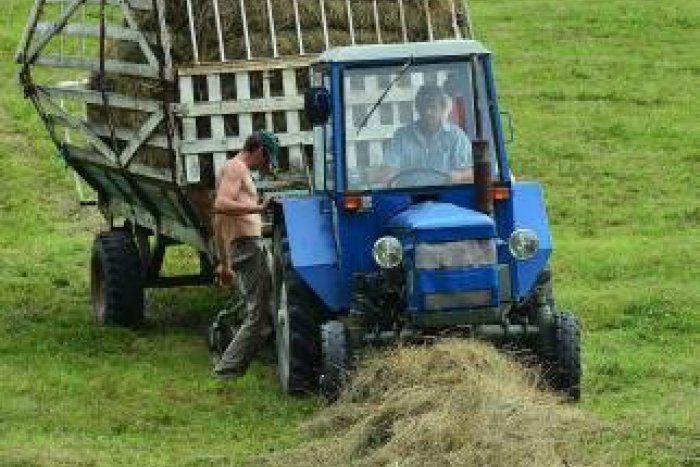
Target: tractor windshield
{"points": [[420, 134]]}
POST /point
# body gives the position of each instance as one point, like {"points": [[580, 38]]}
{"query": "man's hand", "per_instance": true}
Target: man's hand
{"points": [[265, 205], [224, 276]]}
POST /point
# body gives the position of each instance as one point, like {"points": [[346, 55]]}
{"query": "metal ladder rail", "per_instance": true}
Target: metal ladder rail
{"points": [[460, 22]]}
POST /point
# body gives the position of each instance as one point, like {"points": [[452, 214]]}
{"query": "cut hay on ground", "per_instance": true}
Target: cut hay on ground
{"points": [[456, 403]]}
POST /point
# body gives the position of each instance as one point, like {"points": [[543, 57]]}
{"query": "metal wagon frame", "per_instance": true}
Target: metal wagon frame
{"points": [[171, 202]]}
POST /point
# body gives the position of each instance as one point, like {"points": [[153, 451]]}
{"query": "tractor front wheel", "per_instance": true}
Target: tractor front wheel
{"points": [[296, 325], [562, 356], [334, 359], [116, 280]]}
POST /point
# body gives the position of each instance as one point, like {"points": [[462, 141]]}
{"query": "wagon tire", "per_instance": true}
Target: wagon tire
{"points": [[116, 283], [334, 359]]}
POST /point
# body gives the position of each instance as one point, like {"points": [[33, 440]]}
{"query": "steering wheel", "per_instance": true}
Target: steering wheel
{"points": [[442, 177]]}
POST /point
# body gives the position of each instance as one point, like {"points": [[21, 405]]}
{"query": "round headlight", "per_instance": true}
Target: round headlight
{"points": [[387, 252], [523, 244]]}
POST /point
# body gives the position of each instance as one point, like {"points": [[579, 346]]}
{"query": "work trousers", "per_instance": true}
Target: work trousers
{"points": [[249, 261]]}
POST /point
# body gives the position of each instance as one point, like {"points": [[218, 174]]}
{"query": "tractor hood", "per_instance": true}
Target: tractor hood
{"points": [[433, 221]]}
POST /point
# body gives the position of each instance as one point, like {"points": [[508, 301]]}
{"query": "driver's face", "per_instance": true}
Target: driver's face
{"points": [[432, 114]]}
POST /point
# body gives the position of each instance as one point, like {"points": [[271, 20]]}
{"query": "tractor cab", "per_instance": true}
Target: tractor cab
{"points": [[408, 113], [415, 226]]}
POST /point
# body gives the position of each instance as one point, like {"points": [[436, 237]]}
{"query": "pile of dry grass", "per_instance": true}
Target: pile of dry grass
{"points": [[456, 403]]}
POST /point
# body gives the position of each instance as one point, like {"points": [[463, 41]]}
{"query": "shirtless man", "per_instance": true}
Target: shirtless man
{"points": [[238, 235]]}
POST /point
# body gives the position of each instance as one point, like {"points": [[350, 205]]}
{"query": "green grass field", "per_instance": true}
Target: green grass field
{"points": [[605, 95]]}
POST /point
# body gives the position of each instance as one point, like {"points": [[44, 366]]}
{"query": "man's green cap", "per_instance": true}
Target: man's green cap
{"points": [[271, 143]]}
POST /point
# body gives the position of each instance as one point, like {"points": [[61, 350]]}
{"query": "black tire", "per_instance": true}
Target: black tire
{"points": [[334, 359], [562, 357], [116, 282], [297, 335]]}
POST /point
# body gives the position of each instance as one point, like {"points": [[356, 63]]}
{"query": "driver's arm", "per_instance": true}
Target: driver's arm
{"points": [[462, 162]]}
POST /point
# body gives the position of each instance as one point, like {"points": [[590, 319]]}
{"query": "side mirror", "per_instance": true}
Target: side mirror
{"points": [[317, 105], [506, 117]]}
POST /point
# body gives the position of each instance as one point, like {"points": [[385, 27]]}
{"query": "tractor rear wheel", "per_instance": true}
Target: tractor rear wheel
{"points": [[116, 283], [334, 359], [296, 318]]}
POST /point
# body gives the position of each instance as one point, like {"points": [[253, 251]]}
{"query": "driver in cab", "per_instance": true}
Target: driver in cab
{"points": [[431, 150]]}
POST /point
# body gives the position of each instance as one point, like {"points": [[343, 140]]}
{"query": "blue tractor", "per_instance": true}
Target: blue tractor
{"points": [[412, 231]]}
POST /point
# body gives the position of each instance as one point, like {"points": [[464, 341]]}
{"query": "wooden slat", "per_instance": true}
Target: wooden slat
{"points": [[271, 104], [351, 26], [88, 155], [166, 40], [245, 121], [193, 32], [95, 97], [370, 96], [102, 130], [297, 22], [246, 33], [374, 133], [429, 20], [289, 87], [247, 66], [218, 130], [267, 95], [376, 150], [92, 30], [144, 5], [140, 137], [127, 134], [29, 30], [93, 64], [208, 146], [58, 115], [189, 131], [143, 44], [39, 45], [402, 18], [324, 23], [189, 127], [147, 171]]}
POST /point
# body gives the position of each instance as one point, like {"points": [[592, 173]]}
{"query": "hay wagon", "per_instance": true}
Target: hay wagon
{"points": [[146, 99]]}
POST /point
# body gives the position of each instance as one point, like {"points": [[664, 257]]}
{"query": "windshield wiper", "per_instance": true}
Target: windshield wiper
{"points": [[376, 105]]}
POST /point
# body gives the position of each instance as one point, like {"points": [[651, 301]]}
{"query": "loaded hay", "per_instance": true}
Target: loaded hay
{"points": [[338, 24], [457, 403]]}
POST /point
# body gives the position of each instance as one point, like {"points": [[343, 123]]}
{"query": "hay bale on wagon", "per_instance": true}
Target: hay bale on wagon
{"points": [[337, 20], [257, 15]]}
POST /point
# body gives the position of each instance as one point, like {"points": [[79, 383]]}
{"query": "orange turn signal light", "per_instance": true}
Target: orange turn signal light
{"points": [[500, 193], [352, 203]]}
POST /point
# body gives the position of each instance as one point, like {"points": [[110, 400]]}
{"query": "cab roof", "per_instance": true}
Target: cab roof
{"points": [[417, 50]]}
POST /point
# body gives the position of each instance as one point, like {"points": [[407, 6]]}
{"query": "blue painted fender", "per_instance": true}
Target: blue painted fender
{"points": [[529, 212], [312, 246]]}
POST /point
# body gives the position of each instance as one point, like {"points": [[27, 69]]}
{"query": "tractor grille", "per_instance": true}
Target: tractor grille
{"points": [[455, 255], [474, 298]]}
